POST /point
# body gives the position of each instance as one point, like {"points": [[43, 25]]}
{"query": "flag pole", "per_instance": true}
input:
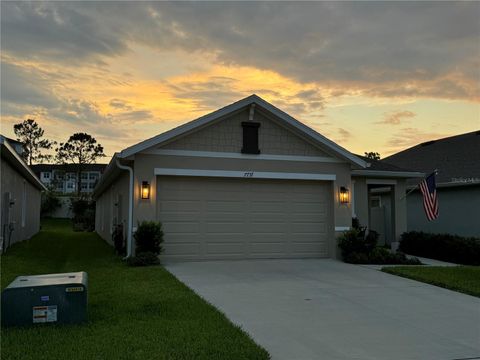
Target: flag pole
{"points": [[435, 172]]}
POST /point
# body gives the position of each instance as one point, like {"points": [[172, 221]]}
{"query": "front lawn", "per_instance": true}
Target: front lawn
{"points": [[134, 313], [464, 279]]}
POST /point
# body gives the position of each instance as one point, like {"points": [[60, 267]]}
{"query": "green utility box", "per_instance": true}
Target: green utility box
{"points": [[40, 299]]}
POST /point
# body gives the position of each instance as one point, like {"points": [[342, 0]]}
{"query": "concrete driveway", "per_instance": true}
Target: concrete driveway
{"points": [[325, 309]]}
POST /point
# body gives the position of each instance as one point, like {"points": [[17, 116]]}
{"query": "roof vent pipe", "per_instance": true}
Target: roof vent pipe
{"points": [[130, 208]]}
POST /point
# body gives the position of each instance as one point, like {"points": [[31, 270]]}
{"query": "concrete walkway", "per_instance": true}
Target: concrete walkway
{"points": [[325, 309]]}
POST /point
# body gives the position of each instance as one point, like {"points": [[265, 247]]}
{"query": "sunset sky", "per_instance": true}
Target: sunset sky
{"points": [[373, 76]]}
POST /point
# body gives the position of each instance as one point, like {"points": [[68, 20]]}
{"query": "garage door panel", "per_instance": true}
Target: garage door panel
{"points": [[268, 248], [267, 227], [226, 248], [298, 228], [177, 206], [271, 206], [225, 237], [222, 227], [182, 249], [181, 227], [267, 238], [230, 205], [215, 218]]}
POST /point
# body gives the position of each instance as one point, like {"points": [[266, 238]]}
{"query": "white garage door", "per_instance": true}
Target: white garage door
{"points": [[217, 218]]}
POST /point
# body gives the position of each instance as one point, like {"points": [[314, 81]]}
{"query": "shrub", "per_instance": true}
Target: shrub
{"points": [[355, 241], [143, 259], [148, 237], [446, 247], [360, 249], [83, 214], [50, 203]]}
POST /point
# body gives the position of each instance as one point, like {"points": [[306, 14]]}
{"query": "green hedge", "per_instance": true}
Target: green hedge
{"points": [[358, 248], [446, 247]]}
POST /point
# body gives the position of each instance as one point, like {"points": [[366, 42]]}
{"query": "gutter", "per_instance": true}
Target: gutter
{"points": [[130, 208], [386, 173]]}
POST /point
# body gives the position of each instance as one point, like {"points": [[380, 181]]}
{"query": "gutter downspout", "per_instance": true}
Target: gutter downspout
{"points": [[130, 208]]}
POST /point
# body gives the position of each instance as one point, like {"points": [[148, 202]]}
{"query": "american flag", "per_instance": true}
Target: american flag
{"points": [[430, 200]]}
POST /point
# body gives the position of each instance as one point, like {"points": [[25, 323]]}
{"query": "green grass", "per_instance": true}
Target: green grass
{"points": [[465, 279], [134, 313]]}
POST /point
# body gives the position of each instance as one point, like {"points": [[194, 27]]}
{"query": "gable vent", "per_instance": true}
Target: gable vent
{"points": [[250, 137]]}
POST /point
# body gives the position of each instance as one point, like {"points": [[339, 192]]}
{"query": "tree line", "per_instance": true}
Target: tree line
{"points": [[80, 149]]}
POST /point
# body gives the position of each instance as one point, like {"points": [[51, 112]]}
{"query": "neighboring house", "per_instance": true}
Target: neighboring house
{"points": [[17, 145], [246, 181], [63, 178], [20, 197], [457, 160]]}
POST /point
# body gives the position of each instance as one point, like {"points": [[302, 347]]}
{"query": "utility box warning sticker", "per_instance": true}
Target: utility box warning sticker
{"points": [[44, 314]]}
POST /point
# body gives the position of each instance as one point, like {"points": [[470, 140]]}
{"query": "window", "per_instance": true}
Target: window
{"points": [[71, 176], [24, 203], [70, 185], [84, 176], [250, 137], [93, 176], [91, 186], [46, 175], [84, 186]]}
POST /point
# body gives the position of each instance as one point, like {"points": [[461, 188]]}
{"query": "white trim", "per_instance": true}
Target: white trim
{"points": [[354, 215], [252, 99], [243, 174], [381, 182], [380, 173], [231, 155], [342, 228]]}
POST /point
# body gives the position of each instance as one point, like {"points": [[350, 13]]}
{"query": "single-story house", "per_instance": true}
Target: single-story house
{"points": [[245, 181], [457, 161], [20, 198]]}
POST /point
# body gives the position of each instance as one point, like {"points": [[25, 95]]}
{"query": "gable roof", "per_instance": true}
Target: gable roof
{"points": [[252, 99], [457, 158], [12, 157], [382, 169]]}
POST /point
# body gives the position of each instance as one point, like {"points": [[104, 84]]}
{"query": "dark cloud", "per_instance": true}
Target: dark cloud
{"points": [[396, 117], [369, 44], [24, 87]]}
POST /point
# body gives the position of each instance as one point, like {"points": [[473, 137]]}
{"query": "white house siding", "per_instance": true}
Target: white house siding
{"points": [[112, 207], [25, 212]]}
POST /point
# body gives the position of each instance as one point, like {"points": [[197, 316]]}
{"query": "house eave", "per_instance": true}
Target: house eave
{"points": [[388, 174]]}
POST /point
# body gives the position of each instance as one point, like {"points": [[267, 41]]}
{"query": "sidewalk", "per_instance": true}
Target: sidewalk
{"points": [[425, 262]]}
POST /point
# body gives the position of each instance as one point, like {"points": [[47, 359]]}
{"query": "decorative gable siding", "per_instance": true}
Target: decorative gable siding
{"points": [[226, 136]]}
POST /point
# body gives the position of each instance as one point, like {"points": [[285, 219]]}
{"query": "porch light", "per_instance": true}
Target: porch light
{"points": [[145, 190], [344, 195]]}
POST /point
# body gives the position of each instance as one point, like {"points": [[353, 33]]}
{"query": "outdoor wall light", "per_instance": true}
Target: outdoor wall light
{"points": [[145, 190], [344, 195]]}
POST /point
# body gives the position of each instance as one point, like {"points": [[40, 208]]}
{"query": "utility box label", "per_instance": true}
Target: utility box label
{"points": [[44, 314], [74, 289]]}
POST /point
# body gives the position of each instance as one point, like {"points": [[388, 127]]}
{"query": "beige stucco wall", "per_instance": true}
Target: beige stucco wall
{"points": [[112, 207], [13, 182], [226, 136]]}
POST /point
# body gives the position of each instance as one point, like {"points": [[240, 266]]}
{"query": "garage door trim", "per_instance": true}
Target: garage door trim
{"points": [[243, 174]]}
